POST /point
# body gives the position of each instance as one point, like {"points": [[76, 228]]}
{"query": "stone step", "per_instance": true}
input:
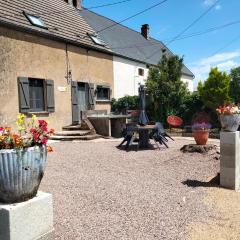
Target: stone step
{"points": [[74, 133], [72, 128], [73, 138]]}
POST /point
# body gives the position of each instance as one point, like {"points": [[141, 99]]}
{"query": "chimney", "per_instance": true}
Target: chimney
{"points": [[76, 3], [145, 31]]}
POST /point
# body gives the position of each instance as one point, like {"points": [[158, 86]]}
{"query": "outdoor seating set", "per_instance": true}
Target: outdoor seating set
{"points": [[142, 131], [142, 135]]}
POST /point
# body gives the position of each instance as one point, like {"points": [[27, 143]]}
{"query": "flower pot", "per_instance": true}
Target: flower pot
{"points": [[229, 122], [21, 172], [201, 136]]}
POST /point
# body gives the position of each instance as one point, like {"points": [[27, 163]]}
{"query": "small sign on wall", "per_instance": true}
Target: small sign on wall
{"points": [[62, 89]]}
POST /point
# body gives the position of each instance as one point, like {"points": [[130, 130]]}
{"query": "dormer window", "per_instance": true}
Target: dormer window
{"points": [[96, 40], [34, 20]]}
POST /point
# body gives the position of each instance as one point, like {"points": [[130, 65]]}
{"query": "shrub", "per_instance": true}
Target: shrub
{"points": [[191, 105], [127, 102]]}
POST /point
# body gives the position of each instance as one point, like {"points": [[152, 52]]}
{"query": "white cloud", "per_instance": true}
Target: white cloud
{"points": [[224, 61], [219, 58], [209, 3], [226, 66]]}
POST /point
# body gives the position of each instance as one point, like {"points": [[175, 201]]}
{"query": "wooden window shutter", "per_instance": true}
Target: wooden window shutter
{"points": [[91, 93], [50, 95], [75, 106], [23, 93]]}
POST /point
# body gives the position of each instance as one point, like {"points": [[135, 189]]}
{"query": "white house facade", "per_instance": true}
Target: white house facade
{"points": [[189, 81], [127, 76]]}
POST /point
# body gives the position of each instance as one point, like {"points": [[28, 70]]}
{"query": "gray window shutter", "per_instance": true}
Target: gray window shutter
{"points": [[23, 93], [91, 93], [75, 106], [50, 95]]}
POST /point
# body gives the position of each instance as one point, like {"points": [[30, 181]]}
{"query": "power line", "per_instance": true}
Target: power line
{"points": [[71, 10], [137, 14], [208, 30], [188, 27], [194, 22], [87, 8], [107, 5], [226, 45], [190, 35]]}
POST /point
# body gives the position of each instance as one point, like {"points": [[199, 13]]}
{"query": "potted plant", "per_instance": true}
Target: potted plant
{"points": [[23, 158], [201, 132], [229, 116]]}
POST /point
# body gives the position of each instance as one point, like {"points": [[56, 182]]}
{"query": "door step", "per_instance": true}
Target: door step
{"points": [[73, 138], [74, 133], [83, 131], [72, 128]]}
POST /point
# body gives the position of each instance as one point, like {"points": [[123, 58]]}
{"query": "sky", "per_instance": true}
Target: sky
{"points": [[219, 48]]}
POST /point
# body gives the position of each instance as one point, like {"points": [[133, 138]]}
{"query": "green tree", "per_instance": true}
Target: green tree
{"points": [[215, 90], [166, 91], [235, 84], [191, 105]]}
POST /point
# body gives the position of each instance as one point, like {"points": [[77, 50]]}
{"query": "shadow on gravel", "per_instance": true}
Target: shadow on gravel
{"points": [[136, 149], [215, 182]]}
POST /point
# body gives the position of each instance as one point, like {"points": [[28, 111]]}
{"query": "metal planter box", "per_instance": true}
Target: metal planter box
{"points": [[230, 123], [21, 172]]}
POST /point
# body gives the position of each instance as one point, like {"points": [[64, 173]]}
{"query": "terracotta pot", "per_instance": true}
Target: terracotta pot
{"points": [[21, 172], [201, 136]]}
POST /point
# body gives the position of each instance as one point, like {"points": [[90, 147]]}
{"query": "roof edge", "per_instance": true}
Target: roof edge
{"points": [[52, 37]]}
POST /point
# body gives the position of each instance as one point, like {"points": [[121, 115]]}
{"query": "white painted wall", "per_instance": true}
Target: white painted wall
{"points": [[126, 78], [189, 81]]}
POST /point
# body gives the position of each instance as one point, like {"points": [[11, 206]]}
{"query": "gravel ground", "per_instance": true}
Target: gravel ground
{"points": [[101, 192]]}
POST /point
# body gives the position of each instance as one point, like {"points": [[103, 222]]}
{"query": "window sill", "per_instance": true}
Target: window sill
{"points": [[43, 113], [103, 101]]}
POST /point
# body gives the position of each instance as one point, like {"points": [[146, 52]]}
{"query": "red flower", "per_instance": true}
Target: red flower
{"points": [[44, 140], [42, 123]]}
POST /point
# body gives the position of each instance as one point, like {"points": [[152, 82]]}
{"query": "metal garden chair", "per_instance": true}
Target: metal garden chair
{"points": [[129, 136], [159, 135]]}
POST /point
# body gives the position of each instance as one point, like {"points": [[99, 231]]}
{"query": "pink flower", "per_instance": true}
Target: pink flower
{"points": [[44, 141]]}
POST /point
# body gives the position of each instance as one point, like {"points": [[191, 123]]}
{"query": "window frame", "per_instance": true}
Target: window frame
{"points": [[101, 99], [32, 110], [96, 40], [28, 15], [141, 72]]}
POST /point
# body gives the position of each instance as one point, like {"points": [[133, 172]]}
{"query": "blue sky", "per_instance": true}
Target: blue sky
{"points": [[167, 20]]}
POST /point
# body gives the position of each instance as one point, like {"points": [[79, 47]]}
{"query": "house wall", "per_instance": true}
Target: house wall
{"points": [[189, 81], [126, 78], [26, 55]]}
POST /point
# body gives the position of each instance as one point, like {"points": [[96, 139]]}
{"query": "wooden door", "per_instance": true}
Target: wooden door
{"points": [[82, 97]]}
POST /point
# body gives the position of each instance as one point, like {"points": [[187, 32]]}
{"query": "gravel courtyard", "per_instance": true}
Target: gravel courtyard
{"points": [[102, 192]]}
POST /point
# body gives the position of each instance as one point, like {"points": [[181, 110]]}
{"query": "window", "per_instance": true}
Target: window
{"points": [[34, 20], [75, 3], [103, 93], [36, 95], [96, 40], [141, 72]]}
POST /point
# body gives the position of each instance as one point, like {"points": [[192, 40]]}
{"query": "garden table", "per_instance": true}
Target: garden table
{"points": [[143, 132]]}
